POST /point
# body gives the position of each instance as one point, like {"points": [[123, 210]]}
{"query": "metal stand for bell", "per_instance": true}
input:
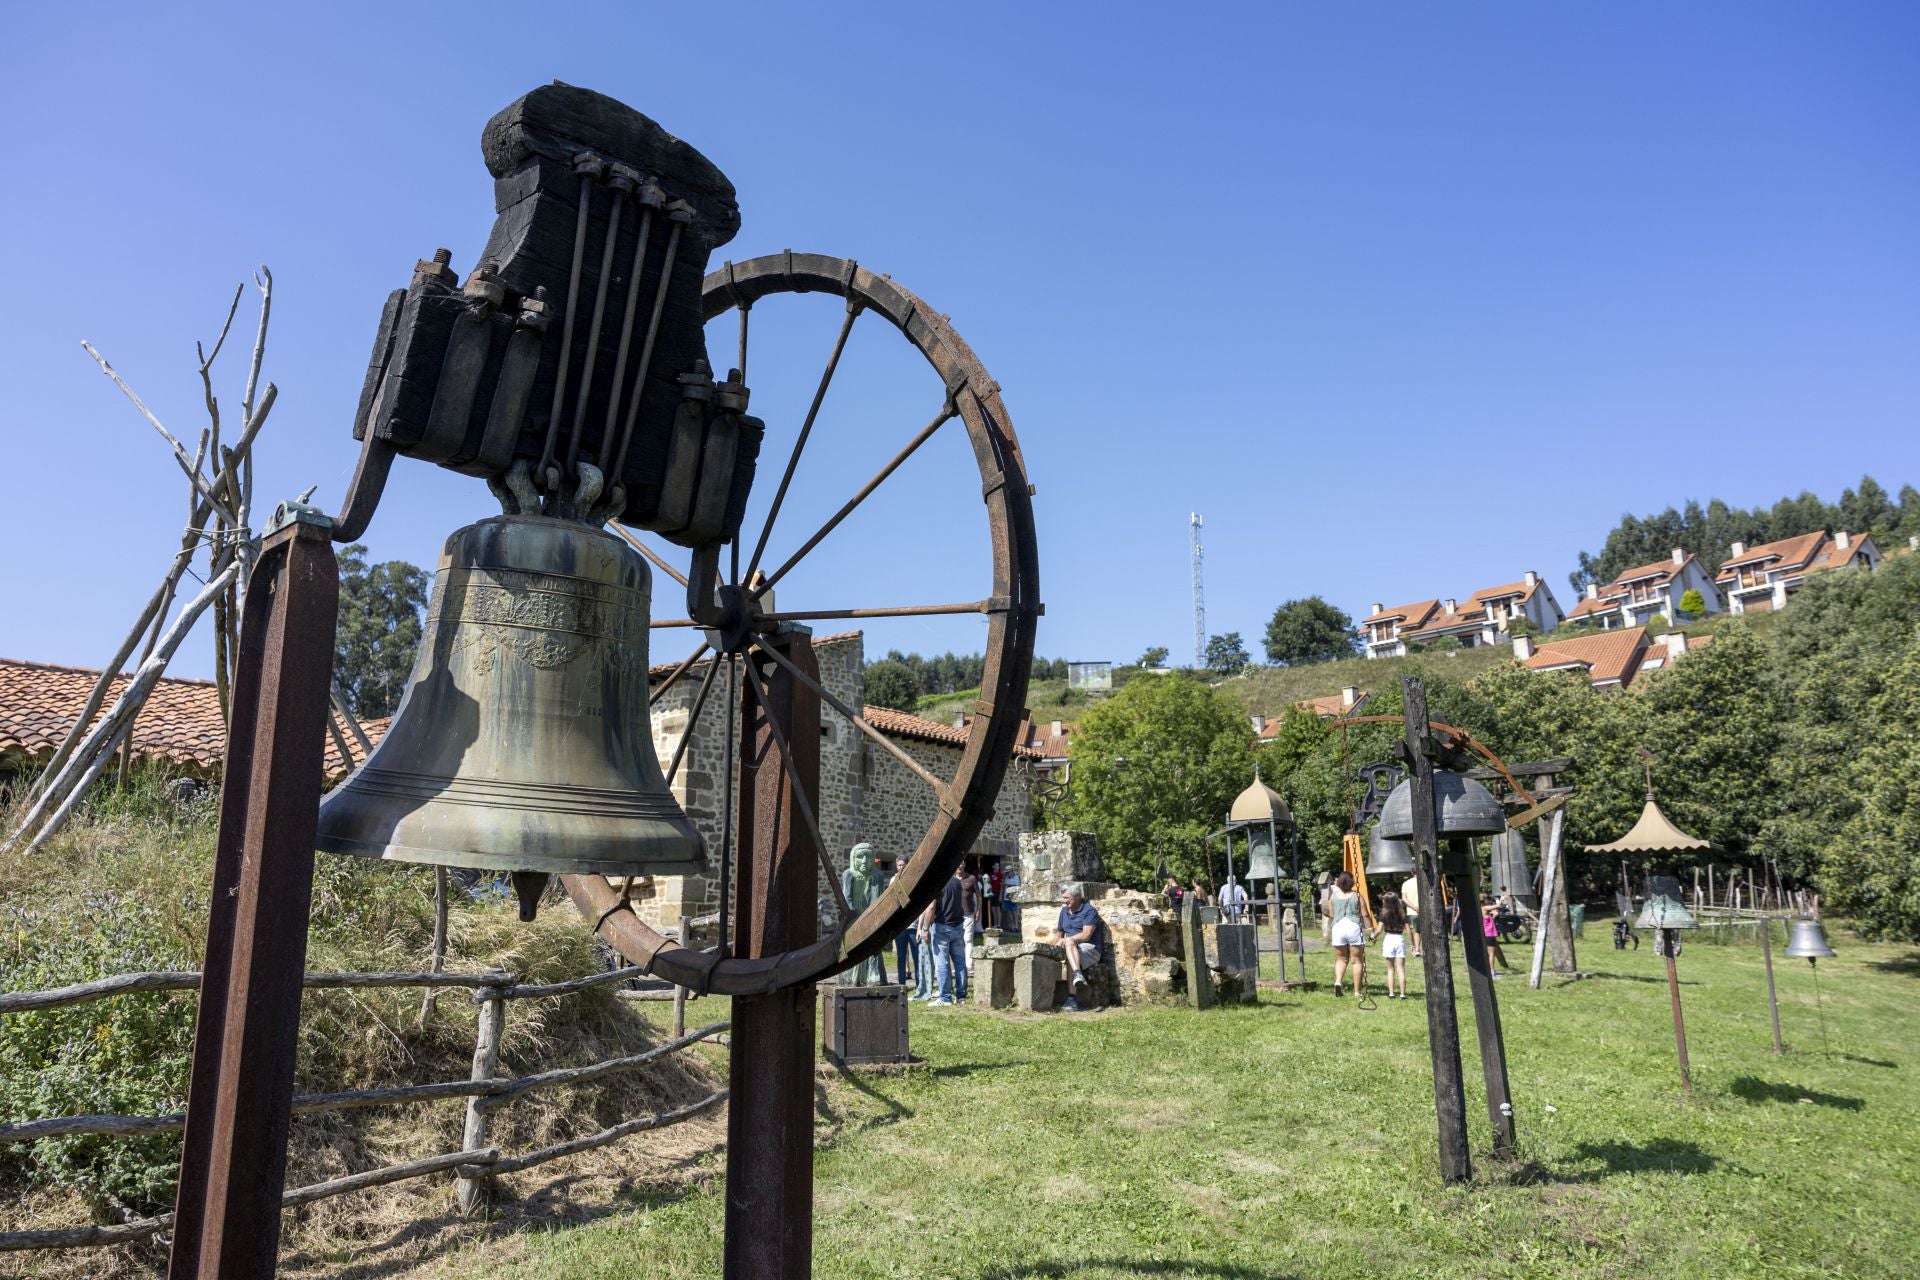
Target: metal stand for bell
{"points": [[234, 1157], [1666, 914], [526, 724], [1773, 1000], [1810, 940]]}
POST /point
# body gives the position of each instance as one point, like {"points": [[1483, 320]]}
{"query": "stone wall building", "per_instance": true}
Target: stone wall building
{"points": [[865, 794]]}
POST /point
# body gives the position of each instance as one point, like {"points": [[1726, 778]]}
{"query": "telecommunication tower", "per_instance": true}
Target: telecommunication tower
{"points": [[1199, 597]]}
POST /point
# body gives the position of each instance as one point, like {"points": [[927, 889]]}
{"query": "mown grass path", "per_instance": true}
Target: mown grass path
{"points": [[1297, 1139]]}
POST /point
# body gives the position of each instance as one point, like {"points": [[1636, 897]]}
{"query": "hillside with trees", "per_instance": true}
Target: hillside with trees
{"points": [[1794, 742], [1709, 531]]}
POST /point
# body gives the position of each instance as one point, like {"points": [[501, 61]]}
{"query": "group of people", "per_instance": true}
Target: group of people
{"points": [[932, 952], [1397, 919]]}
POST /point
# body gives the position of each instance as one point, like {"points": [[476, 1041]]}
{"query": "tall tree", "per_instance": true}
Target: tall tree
{"points": [[1308, 630], [891, 684], [380, 615], [1153, 770], [1153, 657], [1871, 871], [1227, 654]]}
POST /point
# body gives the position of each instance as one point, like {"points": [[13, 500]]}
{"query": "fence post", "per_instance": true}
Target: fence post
{"points": [[471, 1193], [680, 992]]}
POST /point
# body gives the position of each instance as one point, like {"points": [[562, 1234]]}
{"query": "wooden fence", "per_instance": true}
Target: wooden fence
{"points": [[474, 1166]]}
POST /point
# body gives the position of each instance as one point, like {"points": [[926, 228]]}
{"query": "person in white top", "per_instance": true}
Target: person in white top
{"points": [[1233, 900]]}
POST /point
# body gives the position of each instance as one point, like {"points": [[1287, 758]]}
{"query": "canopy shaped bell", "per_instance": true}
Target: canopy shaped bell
{"points": [[1808, 939], [1666, 906], [523, 742], [1462, 807], [1387, 856]]}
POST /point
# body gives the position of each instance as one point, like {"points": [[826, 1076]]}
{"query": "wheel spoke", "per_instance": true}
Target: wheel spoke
{"points": [[649, 553], [693, 718], [658, 623], [940, 788], [745, 307], [993, 604], [806, 429], [674, 675], [799, 792], [949, 409]]}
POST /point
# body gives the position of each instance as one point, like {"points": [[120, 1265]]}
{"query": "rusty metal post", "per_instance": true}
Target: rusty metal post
{"points": [[1679, 1023], [769, 1209], [234, 1160], [1486, 1007], [1443, 1028]]}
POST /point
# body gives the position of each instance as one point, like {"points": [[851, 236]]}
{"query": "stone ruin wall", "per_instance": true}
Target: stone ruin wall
{"points": [[865, 794]]}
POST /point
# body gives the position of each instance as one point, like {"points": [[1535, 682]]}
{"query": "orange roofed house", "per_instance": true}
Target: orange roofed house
{"points": [[1649, 591], [1609, 661], [1760, 579], [1481, 619]]}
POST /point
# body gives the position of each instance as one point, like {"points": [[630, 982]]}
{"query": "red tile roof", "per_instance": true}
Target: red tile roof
{"points": [[1333, 704], [1411, 614], [1444, 622], [1662, 569], [1792, 553], [898, 724], [1519, 588], [1601, 603], [1611, 656], [179, 726]]}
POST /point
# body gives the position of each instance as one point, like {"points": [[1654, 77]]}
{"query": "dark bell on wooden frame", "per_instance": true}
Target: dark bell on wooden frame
{"points": [[1387, 856], [1462, 807]]}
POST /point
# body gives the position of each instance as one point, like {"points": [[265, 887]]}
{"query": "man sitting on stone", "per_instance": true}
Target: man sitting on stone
{"points": [[1078, 933]]}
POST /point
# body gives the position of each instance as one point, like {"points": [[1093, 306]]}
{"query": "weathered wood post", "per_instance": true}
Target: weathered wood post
{"points": [[1486, 1009], [234, 1158], [769, 1207], [472, 1193], [1199, 976], [1773, 1000], [1443, 1030]]}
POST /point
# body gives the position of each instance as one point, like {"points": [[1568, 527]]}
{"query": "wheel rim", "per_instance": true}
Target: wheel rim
{"points": [[1012, 609]]}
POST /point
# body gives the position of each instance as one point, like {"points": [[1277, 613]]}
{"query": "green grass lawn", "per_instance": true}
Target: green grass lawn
{"points": [[1296, 1138]]}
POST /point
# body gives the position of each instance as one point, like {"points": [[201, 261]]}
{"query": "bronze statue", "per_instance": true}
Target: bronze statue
{"points": [[861, 883]]}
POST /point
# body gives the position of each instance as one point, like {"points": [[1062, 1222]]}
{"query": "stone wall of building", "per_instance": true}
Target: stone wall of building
{"points": [[865, 794], [900, 806]]}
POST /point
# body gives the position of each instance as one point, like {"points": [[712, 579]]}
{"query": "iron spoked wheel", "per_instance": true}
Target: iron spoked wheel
{"points": [[1011, 607]]}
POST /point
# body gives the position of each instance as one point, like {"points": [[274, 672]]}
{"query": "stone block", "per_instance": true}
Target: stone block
{"points": [[1157, 979], [1034, 979], [993, 983], [1060, 856]]}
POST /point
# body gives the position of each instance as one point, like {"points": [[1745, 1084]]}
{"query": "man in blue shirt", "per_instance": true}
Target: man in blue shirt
{"points": [[1078, 933]]}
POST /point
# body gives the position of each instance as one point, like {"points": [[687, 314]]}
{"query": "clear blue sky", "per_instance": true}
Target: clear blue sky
{"points": [[1404, 299]]}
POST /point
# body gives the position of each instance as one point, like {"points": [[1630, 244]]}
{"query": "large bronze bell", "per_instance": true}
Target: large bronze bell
{"points": [[523, 742], [1387, 856], [1511, 875], [1808, 939], [1462, 807], [1666, 906]]}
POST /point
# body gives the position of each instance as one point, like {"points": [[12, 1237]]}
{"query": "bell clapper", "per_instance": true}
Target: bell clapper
{"points": [[527, 887]]}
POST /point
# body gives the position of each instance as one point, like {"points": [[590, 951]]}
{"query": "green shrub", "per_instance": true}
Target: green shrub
{"points": [[127, 1055]]}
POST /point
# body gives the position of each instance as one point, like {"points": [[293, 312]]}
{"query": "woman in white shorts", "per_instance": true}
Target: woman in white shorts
{"points": [[1393, 943], [1349, 933]]}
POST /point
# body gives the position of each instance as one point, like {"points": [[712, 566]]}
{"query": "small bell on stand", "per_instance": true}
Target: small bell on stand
{"points": [[1810, 940]]}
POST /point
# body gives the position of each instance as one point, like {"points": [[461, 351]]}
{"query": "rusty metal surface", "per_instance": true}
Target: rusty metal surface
{"points": [[233, 1163], [994, 727], [769, 1201]]}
